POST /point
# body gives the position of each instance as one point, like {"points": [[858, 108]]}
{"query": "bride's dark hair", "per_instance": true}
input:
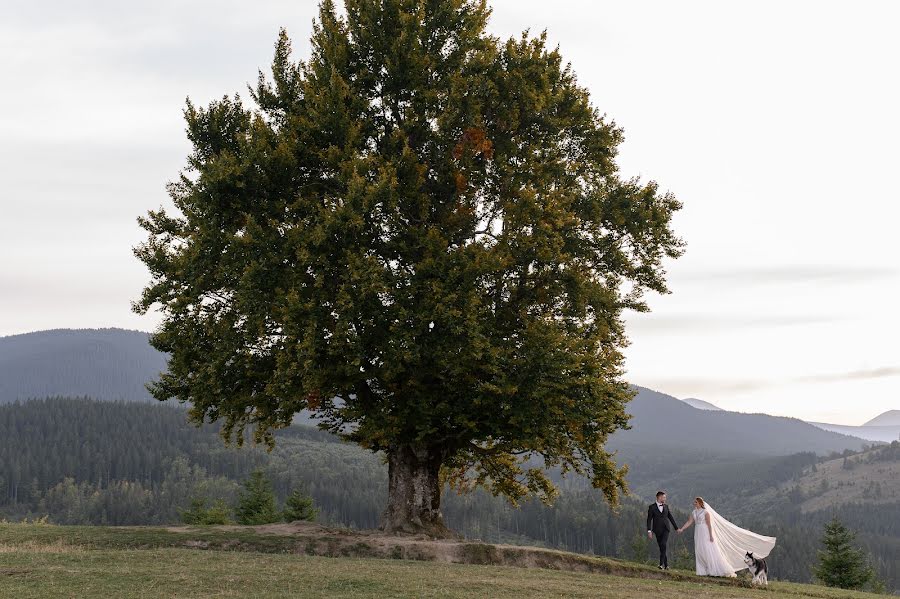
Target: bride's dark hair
{"points": [[700, 501]]}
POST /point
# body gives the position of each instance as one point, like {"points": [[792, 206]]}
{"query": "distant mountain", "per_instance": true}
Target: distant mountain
{"points": [[98, 363], [115, 364], [889, 418], [700, 404], [883, 434], [883, 429], [663, 421]]}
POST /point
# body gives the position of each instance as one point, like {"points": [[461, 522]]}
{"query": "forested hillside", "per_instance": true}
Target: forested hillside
{"points": [[111, 462], [87, 462], [99, 363], [869, 477], [116, 364]]}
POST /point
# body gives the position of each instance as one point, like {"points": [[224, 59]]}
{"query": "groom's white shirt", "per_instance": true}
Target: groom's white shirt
{"points": [[659, 506]]}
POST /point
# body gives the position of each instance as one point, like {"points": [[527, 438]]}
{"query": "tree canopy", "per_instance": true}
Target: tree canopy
{"points": [[420, 235]]}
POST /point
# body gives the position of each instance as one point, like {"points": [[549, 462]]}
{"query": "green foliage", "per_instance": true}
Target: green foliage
{"points": [[196, 513], [199, 514], [39, 521], [683, 559], [639, 548], [841, 563], [419, 234], [256, 503], [299, 506], [889, 453]]}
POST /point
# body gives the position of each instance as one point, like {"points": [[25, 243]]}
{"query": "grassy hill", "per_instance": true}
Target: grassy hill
{"points": [[870, 477], [38, 561]]}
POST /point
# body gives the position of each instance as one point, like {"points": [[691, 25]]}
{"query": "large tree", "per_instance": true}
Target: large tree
{"points": [[420, 235]]}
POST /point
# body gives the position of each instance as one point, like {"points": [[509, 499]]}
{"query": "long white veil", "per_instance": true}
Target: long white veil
{"points": [[734, 542]]}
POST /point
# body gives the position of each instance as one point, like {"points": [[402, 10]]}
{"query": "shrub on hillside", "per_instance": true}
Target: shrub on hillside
{"points": [[256, 503], [299, 506], [199, 514]]}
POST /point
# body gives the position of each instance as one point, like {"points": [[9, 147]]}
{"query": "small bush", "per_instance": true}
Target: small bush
{"points": [[299, 506], [256, 504], [41, 521], [200, 515]]}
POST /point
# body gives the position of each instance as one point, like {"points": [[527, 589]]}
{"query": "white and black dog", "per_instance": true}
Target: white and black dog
{"points": [[758, 569]]}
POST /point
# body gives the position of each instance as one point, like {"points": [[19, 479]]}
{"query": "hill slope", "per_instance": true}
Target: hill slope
{"points": [[116, 364], [98, 363], [92, 462], [880, 434], [700, 404], [889, 418], [871, 477], [662, 421], [106, 562]]}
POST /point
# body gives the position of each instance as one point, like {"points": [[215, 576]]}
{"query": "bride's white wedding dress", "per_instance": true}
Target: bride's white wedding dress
{"points": [[725, 555]]}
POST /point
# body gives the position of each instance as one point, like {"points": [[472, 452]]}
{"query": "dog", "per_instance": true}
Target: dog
{"points": [[758, 569]]}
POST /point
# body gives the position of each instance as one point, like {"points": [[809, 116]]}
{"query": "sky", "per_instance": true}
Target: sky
{"points": [[775, 124]]}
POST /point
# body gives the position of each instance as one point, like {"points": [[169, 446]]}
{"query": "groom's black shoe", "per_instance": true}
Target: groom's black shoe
{"points": [[660, 566]]}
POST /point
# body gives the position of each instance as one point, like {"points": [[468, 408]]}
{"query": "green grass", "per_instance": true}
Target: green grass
{"points": [[145, 537], [56, 561]]}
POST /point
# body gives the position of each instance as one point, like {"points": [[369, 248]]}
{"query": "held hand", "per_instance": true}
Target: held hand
{"points": [[712, 540], [649, 535]]}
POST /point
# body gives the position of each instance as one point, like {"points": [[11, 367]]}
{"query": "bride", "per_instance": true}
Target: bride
{"points": [[719, 545]]}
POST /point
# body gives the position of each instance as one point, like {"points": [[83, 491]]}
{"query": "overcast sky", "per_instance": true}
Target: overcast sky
{"points": [[776, 124]]}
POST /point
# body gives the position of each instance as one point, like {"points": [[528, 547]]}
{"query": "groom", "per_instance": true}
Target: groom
{"points": [[657, 514]]}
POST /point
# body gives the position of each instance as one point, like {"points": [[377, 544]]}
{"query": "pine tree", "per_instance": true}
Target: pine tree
{"points": [[299, 506], [419, 234], [199, 514], [256, 503], [196, 512], [841, 563]]}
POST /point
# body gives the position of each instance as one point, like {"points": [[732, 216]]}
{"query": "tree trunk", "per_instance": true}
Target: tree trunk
{"points": [[414, 491]]}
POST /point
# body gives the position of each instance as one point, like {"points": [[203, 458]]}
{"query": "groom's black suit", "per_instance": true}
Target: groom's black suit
{"points": [[656, 522]]}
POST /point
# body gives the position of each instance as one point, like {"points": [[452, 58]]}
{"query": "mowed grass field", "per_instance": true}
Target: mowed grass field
{"points": [[55, 561]]}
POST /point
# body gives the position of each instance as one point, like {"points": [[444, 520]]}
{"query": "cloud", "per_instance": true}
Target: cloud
{"points": [[808, 273], [709, 323], [698, 387], [684, 387], [855, 375]]}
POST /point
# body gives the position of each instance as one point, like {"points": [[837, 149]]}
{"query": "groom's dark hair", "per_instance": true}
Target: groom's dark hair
{"points": [[658, 493]]}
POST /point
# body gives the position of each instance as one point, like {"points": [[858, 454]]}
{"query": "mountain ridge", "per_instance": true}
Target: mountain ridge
{"points": [[106, 364], [889, 418], [700, 404], [116, 364], [666, 420], [884, 428]]}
